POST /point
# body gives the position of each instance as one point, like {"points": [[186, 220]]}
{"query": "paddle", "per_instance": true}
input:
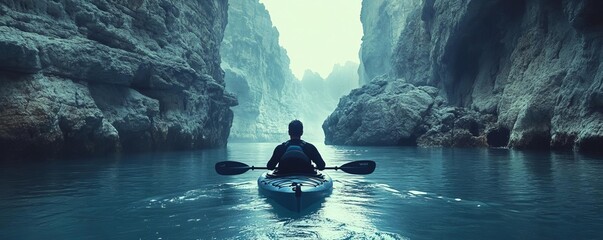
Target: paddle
{"points": [[234, 168], [356, 167]]}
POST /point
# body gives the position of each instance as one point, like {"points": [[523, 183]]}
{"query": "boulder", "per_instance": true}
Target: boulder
{"points": [[382, 112]]}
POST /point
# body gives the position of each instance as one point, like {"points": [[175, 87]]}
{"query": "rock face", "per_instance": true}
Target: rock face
{"points": [[382, 23], [368, 115], [257, 72], [83, 77], [523, 74]]}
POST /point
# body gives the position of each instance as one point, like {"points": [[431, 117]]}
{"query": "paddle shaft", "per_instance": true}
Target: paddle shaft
{"points": [[254, 167], [356, 167], [326, 168]]}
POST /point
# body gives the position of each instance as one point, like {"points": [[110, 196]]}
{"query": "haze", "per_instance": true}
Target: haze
{"points": [[317, 34]]}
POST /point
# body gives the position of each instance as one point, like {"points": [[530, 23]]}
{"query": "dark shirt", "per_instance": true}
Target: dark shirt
{"points": [[309, 149]]}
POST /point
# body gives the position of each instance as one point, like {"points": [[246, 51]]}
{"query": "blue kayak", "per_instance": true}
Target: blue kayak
{"points": [[295, 191]]}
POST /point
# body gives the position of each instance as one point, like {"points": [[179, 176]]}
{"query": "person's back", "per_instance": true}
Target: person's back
{"points": [[295, 155]]}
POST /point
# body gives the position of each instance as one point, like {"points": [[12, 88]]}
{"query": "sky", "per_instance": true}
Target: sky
{"points": [[317, 34]]}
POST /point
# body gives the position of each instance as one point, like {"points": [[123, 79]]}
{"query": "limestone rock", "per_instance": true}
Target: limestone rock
{"points": [[83, 77], [382, 23], [257, 72], [382, 112], [49, 115], [456, 127], [533, 66]]}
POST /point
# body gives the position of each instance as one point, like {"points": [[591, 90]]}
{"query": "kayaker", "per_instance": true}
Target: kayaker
{"points": [[295, 155]]}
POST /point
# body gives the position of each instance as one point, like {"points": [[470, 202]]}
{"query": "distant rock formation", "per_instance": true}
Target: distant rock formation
{"points": [[257, 72], [341, 80], [84, 77], [324, 94], [521, 74], [327, 92]]}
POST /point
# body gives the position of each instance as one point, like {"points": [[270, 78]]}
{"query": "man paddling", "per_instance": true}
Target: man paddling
{"points": [[295, 155]]}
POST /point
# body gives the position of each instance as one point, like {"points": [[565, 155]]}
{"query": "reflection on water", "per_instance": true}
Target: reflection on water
{"points": [[415, 193]]}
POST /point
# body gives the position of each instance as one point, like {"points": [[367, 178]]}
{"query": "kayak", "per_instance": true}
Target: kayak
{"points": [[295, 191]]}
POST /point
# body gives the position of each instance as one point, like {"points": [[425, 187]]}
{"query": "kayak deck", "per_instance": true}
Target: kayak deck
{"points": [[286, 181], [295, 191]]}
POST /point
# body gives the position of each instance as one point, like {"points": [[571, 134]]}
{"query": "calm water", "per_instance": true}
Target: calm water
{"points": [[415, 193]]}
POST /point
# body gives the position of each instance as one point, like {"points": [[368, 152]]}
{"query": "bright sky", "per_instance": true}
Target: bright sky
{"points": [[317, 34]]}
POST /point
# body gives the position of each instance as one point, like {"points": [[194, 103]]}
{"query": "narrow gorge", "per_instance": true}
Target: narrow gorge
{"points": [[104, 76], [257, 72]]}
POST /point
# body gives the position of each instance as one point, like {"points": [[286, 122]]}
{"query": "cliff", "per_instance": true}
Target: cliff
{"points": [[84, 77], [382, 23], [522, 74], [257, 72]]}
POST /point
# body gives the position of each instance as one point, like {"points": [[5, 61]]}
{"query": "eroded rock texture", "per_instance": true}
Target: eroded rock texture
{"points": [[527, 72], [82, 77], [381, 112]]}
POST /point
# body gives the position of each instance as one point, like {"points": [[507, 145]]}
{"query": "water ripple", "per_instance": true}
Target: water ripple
{"points": [[413, 194]]}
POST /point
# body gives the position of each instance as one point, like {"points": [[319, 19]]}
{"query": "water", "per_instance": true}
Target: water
{"points": [[415, 193]]}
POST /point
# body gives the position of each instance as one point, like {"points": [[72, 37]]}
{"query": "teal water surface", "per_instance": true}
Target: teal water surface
{"points": [[415, 193]]}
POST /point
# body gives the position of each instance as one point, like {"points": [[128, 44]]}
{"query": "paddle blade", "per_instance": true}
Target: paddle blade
{"points": [[359, 167], [231, 168]]}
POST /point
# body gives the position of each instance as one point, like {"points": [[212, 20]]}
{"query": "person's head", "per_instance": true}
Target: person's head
{"points": [[296, 129]]}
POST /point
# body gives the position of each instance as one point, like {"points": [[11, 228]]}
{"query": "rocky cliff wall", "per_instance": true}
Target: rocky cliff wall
{"points": [[82, 77], [522, 73], [257, 72], [382, 23]]}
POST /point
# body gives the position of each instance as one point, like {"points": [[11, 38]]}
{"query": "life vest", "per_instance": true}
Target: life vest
{"points": [[294, 151], [294, 159]]}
